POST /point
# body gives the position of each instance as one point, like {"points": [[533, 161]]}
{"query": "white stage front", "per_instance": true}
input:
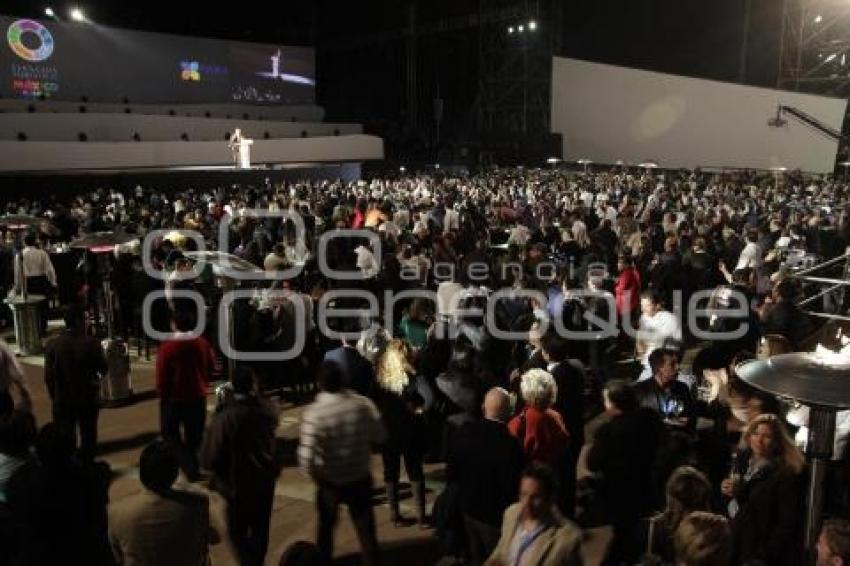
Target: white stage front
{"points": [[88, 156], [607, 113]]}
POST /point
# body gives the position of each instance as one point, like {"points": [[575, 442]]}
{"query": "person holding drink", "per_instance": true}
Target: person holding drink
{"points": [[764, 494]]}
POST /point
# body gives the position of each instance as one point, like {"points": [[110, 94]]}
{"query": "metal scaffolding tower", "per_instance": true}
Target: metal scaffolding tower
{"points": [[517, 41], [814, 52]]}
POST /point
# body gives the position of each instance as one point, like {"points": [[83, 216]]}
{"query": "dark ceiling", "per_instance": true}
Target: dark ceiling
{"points": [[360, 44]]}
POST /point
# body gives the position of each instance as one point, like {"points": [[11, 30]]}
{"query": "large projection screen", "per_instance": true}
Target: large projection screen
{"points": [[607, 113], [44, 59]]}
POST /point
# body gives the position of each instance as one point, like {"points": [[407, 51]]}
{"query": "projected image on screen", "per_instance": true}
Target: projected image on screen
{"points": [[108, 65], [271, 74]]}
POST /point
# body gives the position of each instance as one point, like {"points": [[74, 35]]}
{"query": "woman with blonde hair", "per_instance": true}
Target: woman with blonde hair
{"points": [[579, 230], [765, 494], [402, 399]]}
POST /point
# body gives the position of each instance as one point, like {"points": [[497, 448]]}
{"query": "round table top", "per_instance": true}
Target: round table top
{"points": [[810, 378]]}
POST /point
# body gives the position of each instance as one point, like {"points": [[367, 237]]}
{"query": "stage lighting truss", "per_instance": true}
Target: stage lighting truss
{"points": [[815, 47]]}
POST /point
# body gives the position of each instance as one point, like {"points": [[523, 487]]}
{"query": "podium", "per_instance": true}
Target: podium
{"points": [[241, 148]]}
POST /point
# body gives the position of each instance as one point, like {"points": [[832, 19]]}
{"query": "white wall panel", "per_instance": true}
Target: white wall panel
{"points": [[607, 113], [63, 156]]}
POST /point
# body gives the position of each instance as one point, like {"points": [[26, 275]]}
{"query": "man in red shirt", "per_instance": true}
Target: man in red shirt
{"points": [[183, 368]]}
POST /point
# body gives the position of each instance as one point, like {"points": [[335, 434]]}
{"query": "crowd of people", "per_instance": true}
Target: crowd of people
{"points": [[525, 329]]}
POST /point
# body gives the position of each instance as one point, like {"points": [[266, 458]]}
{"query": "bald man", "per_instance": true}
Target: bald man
{"points": [[497, 405], [486, 462]]}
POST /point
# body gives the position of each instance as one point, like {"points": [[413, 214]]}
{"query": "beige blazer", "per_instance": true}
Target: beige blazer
{"points": [[559, 545], [153, 529]]}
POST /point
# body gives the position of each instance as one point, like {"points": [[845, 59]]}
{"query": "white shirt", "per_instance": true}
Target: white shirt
{"points": [[448, 295], [366, 262], [451, 221], [297, 253], [750, 257], [800, 417], [337, 434], [656, 329], [37, 262]]}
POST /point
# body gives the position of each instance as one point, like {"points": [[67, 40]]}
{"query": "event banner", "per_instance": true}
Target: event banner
{"points": [[42, 59]]}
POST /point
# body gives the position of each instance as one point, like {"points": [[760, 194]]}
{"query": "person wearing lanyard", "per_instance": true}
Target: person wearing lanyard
{"points": [[534, 533], [664, 393]]}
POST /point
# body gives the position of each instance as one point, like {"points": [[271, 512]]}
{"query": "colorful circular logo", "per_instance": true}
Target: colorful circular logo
{"points": [[39, 34]]}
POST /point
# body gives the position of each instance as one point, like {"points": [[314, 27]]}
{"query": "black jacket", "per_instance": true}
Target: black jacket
{"points": [[239, 448], [486, 462], [357, 372], [789, 320], [768, 526], [623, 457], [72, 366], [570, 401], [652, 396]]}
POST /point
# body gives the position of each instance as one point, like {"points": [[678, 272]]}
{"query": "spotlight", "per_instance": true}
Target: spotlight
{"points": [[77, 15], [818, 19], [520, 28], [532, 25], [402, 169], [510, 29], [49, 12]]}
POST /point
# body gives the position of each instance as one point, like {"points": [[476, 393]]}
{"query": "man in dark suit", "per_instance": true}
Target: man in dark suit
{"points": [[357, 372], [784, 317], [239, 450], [621, 460], [486, 462], [569, 378], [666, 395], [73, 366]]}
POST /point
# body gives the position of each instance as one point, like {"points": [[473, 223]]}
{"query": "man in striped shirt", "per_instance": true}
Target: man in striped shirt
{"points": [[337, 434]]}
